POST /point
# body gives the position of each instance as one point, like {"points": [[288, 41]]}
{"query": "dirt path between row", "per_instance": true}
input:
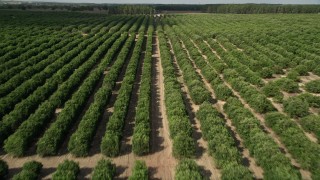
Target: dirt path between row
{"points": [[203, 159], [305, 174]]}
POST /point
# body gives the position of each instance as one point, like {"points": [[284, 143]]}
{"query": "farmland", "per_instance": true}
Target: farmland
{"points": [[184, 96]]}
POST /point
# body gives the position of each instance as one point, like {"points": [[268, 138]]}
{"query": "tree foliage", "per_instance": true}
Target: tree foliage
{"points": [[313, 86], [188, 169], [66, 170], [140, 171], [296, 107], [30, 170], [104, 170]]}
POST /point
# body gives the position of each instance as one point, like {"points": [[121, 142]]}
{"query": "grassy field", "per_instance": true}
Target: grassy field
{"points": [[181, 96]]}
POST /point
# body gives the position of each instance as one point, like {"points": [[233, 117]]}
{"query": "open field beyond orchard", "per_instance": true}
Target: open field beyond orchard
{"points": [[193, 96]]}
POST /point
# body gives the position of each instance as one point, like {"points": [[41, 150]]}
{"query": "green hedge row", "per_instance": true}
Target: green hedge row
{"points": [[27, 87], [313, 86], [273, 88], [231, 59], [141, 132], [24, 52], [302, 149], [188, 169], [311, 124], [30, 170], [18, 143], [104, 170], [287, 85], [197, 90], [26, 71], [80, 141], [179, 124], [27, 45], [261, 146], [261, 55], [24, 108], [140, 171], [222, 92], [68, 169], [29, 56], [313, 101], [296, 107], [222, 146], [54, 136], [257, 100], [110, 145]]}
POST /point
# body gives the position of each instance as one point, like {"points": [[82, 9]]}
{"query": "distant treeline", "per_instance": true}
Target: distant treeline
{"points": [[242, 8], [150, 9], [262, 8], [110, 9], [130, 9]]}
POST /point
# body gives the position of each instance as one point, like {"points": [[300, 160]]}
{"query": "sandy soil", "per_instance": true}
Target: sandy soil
{"points": [[311, 77], [84, 34]]}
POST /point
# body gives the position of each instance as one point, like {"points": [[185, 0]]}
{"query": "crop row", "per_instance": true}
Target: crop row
{"points": [[30, 170], [53, 137], [22, 110], [255, 98], [19, 74], [246, 90], [198, 92], [179, 124], [80, 140], [110, 145], [33, 55], [50, 72], [69, 169], [30, 85], [259, 144], [306, 152], [31, 127], [25, 52], [221, 144], [37, 63], [141, 133]]}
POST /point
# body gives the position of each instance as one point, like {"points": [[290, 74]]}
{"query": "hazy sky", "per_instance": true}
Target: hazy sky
{"points": [[189, 1]]}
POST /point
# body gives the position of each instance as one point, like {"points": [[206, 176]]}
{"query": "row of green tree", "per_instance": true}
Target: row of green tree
{"points": [[60, 70], [110, 145], [53, 137], [141, 133], [179, 125]]}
